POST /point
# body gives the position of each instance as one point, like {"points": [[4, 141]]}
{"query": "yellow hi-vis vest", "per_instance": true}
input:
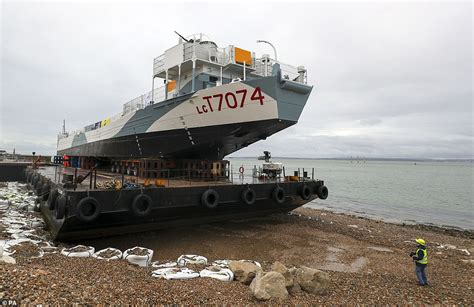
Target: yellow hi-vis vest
{"points": [[424, 260]]}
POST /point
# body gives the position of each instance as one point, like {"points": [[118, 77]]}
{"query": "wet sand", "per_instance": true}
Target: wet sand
{"points": [[368, 262]]}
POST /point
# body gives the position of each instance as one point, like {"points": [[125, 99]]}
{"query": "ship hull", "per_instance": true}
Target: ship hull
{"points": [[211, 142], [208, 124]]}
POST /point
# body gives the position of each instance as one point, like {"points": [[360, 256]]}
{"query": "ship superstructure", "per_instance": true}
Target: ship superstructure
{"points": [[214, 101]]}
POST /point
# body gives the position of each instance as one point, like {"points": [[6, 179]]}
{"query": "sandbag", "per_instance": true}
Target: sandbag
{"points": [[144, 259], [174, 273], [108, 253], [156, 264], [47, 247], [78, 251], [221, 263], [219, 273], [184, 260]]}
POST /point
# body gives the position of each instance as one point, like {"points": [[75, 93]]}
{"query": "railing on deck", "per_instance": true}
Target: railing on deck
{"points": [[179, 178]]}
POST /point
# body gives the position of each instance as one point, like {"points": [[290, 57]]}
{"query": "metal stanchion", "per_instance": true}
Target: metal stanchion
{"points": [[75, 178]]}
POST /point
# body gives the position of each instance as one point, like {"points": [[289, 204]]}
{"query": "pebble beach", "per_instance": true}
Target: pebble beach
{"points": [[367, 260]]}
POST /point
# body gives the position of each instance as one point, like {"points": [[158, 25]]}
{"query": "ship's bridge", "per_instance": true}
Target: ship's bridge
{"points": [[196, 62]]}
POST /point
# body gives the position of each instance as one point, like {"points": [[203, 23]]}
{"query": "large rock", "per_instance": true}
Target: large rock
{"points": [[269, 285], [280, 268], [296, 287], [244, 271], [312, 280]]}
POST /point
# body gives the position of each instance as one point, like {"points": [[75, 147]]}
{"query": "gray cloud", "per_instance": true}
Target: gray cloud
{"points": [[391, 79]]}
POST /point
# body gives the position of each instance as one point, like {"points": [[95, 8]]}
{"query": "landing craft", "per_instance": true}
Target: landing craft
{"points": [[215, 101], [159, 163]]}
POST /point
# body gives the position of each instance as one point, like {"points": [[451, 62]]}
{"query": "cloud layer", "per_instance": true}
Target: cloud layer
{"points": [[390, 79]]}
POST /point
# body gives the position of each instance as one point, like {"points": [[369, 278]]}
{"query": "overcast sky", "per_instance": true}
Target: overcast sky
{"points": [[390, 79]]}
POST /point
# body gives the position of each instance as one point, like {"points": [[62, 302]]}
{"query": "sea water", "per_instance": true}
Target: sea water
{"points": [[426, 192]]}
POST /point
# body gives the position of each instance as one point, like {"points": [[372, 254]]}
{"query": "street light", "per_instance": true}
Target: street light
{"points": [[267, 42]]}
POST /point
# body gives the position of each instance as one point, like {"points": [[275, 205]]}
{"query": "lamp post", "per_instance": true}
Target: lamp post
{"points": [[267, 42]]}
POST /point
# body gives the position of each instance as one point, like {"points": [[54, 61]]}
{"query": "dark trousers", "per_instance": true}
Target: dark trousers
{"points": [[420, 274]]}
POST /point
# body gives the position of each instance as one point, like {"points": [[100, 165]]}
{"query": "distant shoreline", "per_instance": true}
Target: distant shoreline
{"points": [[364, 159], [446, 229]]}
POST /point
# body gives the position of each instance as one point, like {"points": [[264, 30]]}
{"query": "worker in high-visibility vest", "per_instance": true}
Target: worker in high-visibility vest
{"points": [[421, 261]]}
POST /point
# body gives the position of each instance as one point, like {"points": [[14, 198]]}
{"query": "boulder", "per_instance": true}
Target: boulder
{"points": [[280, 268], [269, 285], [312, 280], [244, 271], [296, 286]]}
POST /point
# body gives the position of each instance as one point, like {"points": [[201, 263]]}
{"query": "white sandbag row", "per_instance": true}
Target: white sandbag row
{"points": [[20, 227], [7, 247], [15, 195], [137, 255]]}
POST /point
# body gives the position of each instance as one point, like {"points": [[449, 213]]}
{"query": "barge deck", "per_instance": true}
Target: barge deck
{"points": [[97, 208]]}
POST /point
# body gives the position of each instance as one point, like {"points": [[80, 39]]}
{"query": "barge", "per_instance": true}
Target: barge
{"points": [[76, 211], [160, 162]]}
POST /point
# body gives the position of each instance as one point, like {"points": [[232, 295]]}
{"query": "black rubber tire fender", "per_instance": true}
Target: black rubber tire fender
{"points": [[210, 199], [52, 199], [278, 195], [249, 196], [141, 205], [83, 209], [39, 186], [60, 207], [34, 179], [28, 177], [305, 192], [45, 189], [322, 192]]}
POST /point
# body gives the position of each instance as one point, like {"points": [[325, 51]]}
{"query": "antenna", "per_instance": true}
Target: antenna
{"points": [[186, 40], [64, 126]]}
